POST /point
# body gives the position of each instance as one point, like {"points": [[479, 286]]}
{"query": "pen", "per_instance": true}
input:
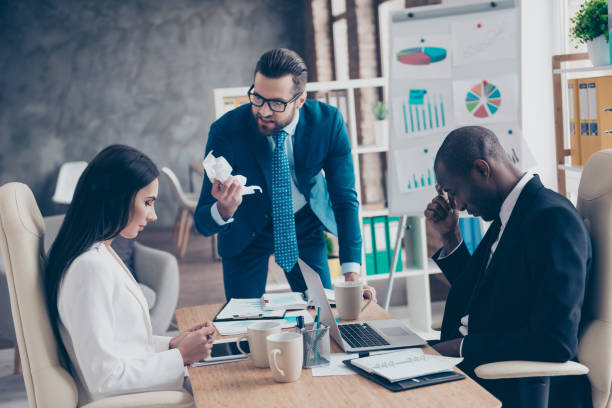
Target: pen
{"points": [[316, 348]]}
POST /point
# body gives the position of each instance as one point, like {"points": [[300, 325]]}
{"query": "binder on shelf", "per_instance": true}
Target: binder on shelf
{"points": [[574, 121], [392, 227], [595, 109], [466, 233], [380, 244], [368, 242]]}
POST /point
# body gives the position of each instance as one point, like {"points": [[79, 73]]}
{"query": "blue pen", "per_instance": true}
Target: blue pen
{"points": [[316, 348]]}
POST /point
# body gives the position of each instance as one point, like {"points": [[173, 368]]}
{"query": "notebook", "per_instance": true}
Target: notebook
{"points": [[410, 383], [362, 336], [405, 364]]}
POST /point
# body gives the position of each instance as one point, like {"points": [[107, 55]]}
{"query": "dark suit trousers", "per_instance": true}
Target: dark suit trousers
{"points": [[245, 275]]}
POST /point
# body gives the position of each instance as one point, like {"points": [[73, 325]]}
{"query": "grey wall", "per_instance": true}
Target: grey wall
{"points": [[78, 75]]}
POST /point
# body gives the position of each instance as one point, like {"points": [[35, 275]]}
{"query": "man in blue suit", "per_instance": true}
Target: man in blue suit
{"points": [[298, 151], [519, 296]]}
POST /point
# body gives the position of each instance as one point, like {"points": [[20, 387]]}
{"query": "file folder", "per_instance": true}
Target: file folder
{"points": [[574, 121], [392, 227], [368, 243], [380, 244]]}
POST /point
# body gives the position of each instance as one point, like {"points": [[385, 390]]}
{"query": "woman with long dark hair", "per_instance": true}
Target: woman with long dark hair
{"points": [[97, 310]]}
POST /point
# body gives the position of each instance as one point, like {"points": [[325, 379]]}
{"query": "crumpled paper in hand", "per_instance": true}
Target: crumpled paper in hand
{"points": [[218, 168]]}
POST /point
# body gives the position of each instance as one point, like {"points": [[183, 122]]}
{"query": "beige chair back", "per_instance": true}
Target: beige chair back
{"points": [[177, 190], [595, 207], [21, 242]]}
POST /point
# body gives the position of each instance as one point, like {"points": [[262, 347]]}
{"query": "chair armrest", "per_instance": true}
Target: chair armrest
{"points": [[178, 399], [518, 369], [158, 270]]}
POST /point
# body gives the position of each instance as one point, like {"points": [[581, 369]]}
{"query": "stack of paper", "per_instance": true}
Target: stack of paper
{"points": [[247, 309], [329, 293], [283, 301], [231, 328], [405, 364]]}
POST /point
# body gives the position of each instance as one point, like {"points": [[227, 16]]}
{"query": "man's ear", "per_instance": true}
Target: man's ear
{"points": [[300, 101], [481, 168]]}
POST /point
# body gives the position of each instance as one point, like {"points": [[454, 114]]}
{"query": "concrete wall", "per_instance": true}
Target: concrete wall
{"points": [[78, 75]]}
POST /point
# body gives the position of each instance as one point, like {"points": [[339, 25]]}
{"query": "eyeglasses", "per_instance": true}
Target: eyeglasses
{"points": [[276, 105]]}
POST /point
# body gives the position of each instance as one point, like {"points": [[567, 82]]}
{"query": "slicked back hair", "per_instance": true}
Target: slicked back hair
{"points": [[279, 62], [466, 144]]}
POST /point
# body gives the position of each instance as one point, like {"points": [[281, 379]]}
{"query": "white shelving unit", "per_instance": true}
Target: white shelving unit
{"points": [[412, 283], [568, 176]]}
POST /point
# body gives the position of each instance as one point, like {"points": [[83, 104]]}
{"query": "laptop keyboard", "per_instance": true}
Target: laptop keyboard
{"points": [[361, 335]]}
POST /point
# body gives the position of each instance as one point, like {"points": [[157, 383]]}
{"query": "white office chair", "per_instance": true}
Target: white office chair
{"points": [[595, 346], [47, 383], [187, 203], [67, 179]]}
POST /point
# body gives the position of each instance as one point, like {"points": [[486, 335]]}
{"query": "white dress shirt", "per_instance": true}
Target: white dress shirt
{"points": [[106, 329]]}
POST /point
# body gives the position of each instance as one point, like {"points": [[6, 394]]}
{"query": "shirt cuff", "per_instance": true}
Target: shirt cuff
{"points": [[461, 348], [214, 212], [443, 253], [351, 267]]}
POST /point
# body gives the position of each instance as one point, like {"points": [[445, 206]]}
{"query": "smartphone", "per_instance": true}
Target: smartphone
{"points": [[225, 350]]}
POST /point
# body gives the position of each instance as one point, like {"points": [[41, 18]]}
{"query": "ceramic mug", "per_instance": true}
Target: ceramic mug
{"points": [[256, 335], [349, 298], [286, 355]]}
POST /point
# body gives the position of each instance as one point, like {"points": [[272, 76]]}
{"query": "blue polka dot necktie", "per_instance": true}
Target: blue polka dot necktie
{"points": [[285, 241]]}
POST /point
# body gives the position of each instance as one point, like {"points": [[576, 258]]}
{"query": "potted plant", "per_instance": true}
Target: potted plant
{"points": [[590, 27], [381, 127]]}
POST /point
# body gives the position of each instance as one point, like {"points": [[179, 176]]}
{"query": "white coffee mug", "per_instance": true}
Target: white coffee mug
{"points": [[349, 298], [256, 335], [286, 355]]}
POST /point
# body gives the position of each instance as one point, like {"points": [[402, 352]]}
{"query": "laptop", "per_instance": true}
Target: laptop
{"points": [[362, 336]]}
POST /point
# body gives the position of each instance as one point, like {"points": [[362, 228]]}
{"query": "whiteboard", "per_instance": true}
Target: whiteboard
{"points": [[450, 66]]}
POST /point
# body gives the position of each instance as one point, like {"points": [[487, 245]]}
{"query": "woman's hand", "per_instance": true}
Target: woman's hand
{"points": [[196, 345], [175, 341]]}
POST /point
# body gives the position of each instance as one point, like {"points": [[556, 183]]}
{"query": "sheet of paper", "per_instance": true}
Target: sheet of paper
{"points": [[237, 308], [514, 144], [486, 37], [421, 56], [336, 366], [219, 168], [233, 328], [423, 110], [414, 167], [487, 100]]}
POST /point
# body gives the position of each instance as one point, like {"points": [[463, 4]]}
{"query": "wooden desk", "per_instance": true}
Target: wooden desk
{"points": [[241, 384]]}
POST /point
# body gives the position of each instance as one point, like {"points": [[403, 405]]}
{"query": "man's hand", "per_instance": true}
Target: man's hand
{"points": [[228, 196], [353, 277], [444, 218], [175, 341], [449, 348]]}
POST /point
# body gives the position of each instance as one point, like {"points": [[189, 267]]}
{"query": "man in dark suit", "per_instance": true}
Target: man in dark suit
{"points": [[298, 151], [520, 295]]}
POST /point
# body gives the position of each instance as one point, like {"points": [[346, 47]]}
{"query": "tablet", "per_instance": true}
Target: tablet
{"points": [[225, 350]]}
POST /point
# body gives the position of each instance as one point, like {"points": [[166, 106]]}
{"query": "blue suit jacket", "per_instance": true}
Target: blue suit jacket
{"points": [[320, 143]]}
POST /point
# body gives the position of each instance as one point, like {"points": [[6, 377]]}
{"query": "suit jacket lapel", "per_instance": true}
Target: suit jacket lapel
{"points": [[263, 154], [299, 149], [510, 232], [134, 289]]}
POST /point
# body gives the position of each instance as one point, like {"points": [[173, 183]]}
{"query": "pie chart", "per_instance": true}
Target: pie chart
{"points": [[421, 55], [483, 100]]}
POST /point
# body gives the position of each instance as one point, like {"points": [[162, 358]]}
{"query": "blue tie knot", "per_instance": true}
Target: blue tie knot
{"points": [[279, 138]]}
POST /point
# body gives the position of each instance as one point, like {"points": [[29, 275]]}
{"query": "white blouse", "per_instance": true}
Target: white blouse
{"points": [[106, 329]]}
